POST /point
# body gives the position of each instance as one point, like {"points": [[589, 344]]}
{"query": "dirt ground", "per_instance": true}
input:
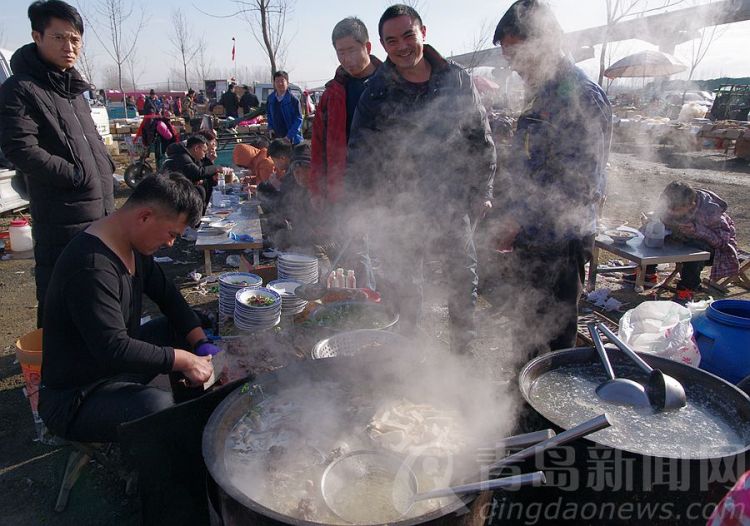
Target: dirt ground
{"points": [[30, 472]]}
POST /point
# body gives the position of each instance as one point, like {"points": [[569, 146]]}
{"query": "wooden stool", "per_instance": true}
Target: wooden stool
{"points": [[741, 279], [81, 455]]}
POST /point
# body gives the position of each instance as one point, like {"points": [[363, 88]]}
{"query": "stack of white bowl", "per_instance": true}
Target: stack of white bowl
{"points": [[229, 284], [297, 267], [290, 304], [252, 318]]}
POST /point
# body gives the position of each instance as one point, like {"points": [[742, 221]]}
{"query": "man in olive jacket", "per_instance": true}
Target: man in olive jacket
{"points": [[47, 132]]}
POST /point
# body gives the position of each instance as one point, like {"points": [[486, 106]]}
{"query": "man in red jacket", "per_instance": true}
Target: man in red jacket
{"points": [[334, 114]]}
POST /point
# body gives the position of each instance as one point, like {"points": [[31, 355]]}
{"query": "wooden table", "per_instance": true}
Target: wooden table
{"points": [[247, 222], [636, 251]]}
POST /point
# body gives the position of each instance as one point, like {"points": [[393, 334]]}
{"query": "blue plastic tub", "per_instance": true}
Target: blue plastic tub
{"points": [[722, 333], [224, 156]]}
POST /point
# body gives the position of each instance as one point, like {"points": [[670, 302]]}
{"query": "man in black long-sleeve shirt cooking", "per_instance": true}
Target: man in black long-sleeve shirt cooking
{"points": [[97, 357]]}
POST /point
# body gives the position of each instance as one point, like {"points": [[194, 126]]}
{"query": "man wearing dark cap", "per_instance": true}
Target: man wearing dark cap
{"points": [[48, 134], [149, 107], [555, 177]]}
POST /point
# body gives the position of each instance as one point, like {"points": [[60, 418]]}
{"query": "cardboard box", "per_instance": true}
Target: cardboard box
{"points": [[268, 271]]}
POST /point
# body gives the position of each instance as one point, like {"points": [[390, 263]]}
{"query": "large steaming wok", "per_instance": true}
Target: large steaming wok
{"points": [[364, 369], [732, 404]]}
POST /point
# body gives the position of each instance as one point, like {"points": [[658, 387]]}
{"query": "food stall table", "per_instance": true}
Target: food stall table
{"points": [[247, 222], [636, 251]]}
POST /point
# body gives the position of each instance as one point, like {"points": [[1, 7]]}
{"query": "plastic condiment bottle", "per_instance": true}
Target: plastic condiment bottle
{"points": [[655, 233], [20, 235], [351, 280], [339, 281]]}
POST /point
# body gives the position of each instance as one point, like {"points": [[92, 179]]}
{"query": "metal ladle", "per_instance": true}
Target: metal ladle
{"points": [[386, 479], [664, 391], [584, 428], [616, 390], [315, 291]]}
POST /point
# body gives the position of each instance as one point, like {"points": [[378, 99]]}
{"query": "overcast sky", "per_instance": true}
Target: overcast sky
{"points": [[452, 27]]}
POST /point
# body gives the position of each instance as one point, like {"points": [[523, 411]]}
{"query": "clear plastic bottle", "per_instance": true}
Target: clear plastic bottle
{"points": [[351, 280], [221, 184], [339, 281]]}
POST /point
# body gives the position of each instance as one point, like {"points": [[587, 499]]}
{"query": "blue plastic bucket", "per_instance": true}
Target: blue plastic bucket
{"points": [[722, 333]]}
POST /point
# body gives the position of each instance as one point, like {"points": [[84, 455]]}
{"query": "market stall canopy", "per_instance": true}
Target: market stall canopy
{"points": [[645, 64]]}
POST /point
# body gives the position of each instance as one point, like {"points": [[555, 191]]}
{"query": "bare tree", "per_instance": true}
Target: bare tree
{"points": [[617, 11], [183, 42], [116, 24], [267, 21], [109, 77], [203, 64], [87, 64], [482, 40], [134, 69], [698, 48]]}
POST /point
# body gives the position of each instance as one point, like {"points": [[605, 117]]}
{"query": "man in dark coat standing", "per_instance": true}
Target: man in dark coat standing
{"points": [[248, 100], [230, 102], [420, 172], [555, 180], [47, 132]]}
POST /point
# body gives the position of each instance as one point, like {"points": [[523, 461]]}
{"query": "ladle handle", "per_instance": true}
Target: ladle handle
{"points": [[599, 346], [625, 348], [590, 426], [525, 439], [525, 479]]}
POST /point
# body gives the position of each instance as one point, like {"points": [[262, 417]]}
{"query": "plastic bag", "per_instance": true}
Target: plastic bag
{"points": [[662, 328]]}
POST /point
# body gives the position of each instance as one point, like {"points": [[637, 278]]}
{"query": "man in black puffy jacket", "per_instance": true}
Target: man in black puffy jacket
{"points": [[47, 132], [421, 166], [187, 159]]}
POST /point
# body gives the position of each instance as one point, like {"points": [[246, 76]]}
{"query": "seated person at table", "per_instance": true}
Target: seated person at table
{"points": [[97, 356], [254, 159], [187, 159], [698, 217], [210, 160], [280, 152], [303, 223]]}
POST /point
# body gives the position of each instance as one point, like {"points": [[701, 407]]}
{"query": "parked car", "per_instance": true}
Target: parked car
{"points": [[10, 198]]}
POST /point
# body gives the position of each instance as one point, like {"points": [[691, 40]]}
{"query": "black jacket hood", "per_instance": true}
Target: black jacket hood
{"points": [[68, 84]]}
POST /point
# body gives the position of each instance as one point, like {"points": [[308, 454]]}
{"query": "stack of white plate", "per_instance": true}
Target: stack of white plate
{"points": [[290, 304], [249, 317], [297, 267], [229, 284]]}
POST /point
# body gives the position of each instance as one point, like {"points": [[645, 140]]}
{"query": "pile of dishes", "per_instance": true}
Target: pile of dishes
{"points": [[297, 267], [290, 304], [232, 282], [257, 309]]}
